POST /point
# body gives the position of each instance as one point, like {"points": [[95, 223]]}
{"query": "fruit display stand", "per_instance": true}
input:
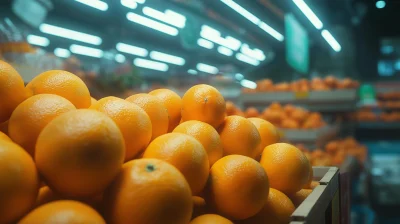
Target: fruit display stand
{"points": [[311, 138], [323, 204], [323, 101]]}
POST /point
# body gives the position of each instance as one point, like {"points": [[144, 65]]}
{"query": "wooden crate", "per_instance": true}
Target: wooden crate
{"points": [[323, 204]]}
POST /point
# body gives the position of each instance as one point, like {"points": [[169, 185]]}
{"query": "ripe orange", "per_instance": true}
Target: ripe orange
{"points": [[199, 206], [206, 135], [173, 103], [132, 120], [298, 197], [32, 115], [12, 90], [4, 137], [277, 210], [155, 109], [210, 219], [64, 84], [204, 103], [287, 167], [186, 154], [148, 191], [251, 112], [92, 101], [238, 187], [4, 127], [19, 182], [230, 108], [80, 152], [268, 133], [239, 136], [313, 185], [63, 212]]}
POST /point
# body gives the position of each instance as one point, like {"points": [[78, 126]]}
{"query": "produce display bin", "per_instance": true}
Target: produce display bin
{"points": [[322, 101], [323, 204], [312, 138]]}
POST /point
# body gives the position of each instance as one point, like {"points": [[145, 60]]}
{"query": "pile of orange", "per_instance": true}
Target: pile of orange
{"points": [[287, 116], [368, 115], [304, 85], [335, 152], [150, 158]]}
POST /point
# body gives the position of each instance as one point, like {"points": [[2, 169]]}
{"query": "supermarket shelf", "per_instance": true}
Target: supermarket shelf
{"points": [[379, 125], [312, 138], [326, 101]]}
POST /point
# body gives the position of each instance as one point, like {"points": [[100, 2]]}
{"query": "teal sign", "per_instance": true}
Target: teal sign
{"points": [[367, 94], [297, 52]]}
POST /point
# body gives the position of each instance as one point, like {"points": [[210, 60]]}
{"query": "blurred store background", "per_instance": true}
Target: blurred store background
{"points": [[326, 72]]}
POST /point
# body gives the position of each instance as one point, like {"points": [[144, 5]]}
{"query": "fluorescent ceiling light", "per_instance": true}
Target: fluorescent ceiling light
{"points": [[331, 40], [380, 4], [207, 68], [38, 40], [87, 51], [139, 62], [239, 76], [129, 4], [100, 5], [192, 72], [119, 58], [132, 49], [256, 53], [246, 59], [309, 13], [70, 34], [225, 51], [242, 11], [159, 56], [214, 35], [271, 31], [248, 84], [209, 31], [169, 17], [152, 24], [233, 43], [62, 53], [205, 43], [140, 1]]}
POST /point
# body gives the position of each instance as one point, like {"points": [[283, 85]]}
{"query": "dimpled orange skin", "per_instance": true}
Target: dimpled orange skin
{"points": [[237, 187], [173, 103], [63, 212], [4, 137], [239, 136], [32, 115], [134, 123], [268, 133], [19, 182], [204, 103], [298, 197], [277, 210], [12, 90], [287, 167], [210, 219], [155, 109], [186, 154], [148, 191], [80, 152], [64, 84], [206, 135]]}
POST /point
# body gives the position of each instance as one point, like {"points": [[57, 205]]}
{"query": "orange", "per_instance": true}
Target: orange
{"points": [[251, 112], [206, 135], [298, 197], [157, 112], [4, 137], [173, 103], [186, 154], [132, 120], [287, 167], [313, 185], [277, 210], [199, 206], [310, 177], [210, 219], [32, 115], [238, 187], [230, 108], [268, 133], [12, 90], [19, 182], [63, 212], [92, 101], [4, 127], [204, 103], [148, 191], [80, 152], [239, 136], [64, 84]]}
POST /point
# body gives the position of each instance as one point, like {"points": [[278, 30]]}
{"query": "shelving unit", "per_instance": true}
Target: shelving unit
{"points": [[312, 138]]}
